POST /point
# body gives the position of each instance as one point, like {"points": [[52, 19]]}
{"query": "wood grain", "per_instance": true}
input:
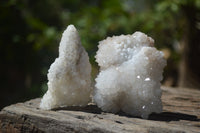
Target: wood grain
{"points": [[181, 113]]}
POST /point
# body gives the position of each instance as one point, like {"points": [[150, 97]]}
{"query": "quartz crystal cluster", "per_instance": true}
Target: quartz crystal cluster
{"points": [[130, 74], [129, 78], [69, 75]]}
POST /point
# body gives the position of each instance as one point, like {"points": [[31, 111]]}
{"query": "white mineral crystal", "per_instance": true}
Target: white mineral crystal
{"points": [[69, 75], [130, 74]]}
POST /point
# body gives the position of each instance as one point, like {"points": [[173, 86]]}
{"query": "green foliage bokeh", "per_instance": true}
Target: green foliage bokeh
{"points": [[30, 32]]}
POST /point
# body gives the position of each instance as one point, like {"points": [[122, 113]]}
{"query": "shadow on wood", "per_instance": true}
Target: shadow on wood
{"points": [[181, 113]]}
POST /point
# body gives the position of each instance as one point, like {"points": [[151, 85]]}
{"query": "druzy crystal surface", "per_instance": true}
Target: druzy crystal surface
{"points": [[69, 77], [130, 74]]}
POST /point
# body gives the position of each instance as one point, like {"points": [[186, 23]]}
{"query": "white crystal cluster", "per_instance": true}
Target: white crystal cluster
{"points": [[130, 74], [129, 78], [69, 76]]}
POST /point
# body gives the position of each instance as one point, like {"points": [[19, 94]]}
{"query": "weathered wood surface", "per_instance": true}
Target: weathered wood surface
{"points": [[181, 114]]}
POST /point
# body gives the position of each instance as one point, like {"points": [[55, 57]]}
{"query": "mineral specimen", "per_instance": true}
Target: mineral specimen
{"points": [[69, 75], [130, 74]]}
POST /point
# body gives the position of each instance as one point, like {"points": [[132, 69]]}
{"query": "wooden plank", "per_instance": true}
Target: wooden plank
{"points": [[181, 113]]}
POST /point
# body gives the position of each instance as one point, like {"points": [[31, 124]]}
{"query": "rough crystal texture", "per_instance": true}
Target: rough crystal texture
{"points": [[130, 74], [69, 76]]}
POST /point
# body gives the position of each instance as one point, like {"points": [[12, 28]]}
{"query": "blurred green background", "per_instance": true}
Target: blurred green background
{"points": [[30, 31]]}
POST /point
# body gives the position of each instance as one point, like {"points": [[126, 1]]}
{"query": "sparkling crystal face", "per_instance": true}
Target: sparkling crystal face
{"points": [[130, 74], [69, 76]]}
